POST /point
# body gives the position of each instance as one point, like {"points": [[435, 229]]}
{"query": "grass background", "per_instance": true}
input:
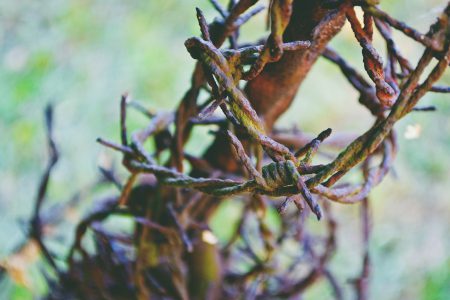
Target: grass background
{"points": [[82, 54]]}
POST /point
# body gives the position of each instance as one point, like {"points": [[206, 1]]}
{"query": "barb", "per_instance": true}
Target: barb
{"points": [[311, 148], [372, 61], [109, 175], [141, 108], [245, 17], [114, 146], [440, 89], [210, 109], [220, 9], [280, 14], [425, 108], [203, 25]]}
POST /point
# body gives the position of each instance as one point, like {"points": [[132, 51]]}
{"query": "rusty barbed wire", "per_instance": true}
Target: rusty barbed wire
{"points": [[372, 60], [170, 201], [286, 175]]}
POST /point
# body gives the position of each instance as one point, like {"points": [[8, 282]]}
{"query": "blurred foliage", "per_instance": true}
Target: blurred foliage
{"points": [[82, 54], [436, 283]]}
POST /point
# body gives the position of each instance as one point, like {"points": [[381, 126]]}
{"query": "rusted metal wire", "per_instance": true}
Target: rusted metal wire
{"points": [[284, 174], [172, 239]]}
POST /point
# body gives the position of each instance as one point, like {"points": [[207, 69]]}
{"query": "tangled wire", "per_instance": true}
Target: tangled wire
{"points": [[172, 216]]}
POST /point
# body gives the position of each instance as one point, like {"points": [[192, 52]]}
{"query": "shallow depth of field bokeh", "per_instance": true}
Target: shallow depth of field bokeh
{"points": [[81, 55]]}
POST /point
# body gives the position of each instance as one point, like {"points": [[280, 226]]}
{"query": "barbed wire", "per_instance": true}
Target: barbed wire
{"points": [[270, 164]]}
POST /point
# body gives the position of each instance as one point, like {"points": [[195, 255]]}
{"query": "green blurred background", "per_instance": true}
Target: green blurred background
{"points": [[82, 54]]}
